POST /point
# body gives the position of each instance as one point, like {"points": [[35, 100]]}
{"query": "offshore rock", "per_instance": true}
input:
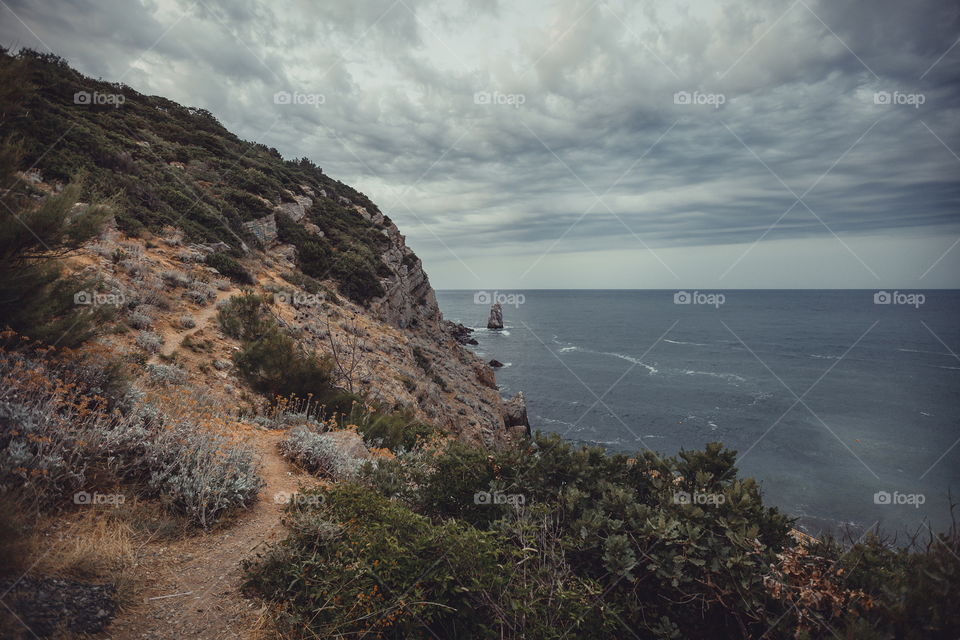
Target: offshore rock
{"points": [[495, 321]]}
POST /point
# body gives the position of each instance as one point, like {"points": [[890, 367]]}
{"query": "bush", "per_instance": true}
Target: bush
{"points": [[229, 267], [149, 341], [360, 565], [67, 424], [319, 453]]}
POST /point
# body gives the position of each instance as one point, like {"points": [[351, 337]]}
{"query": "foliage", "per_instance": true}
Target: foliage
{"points": [[229, 267], [588, 544], [68, 424], [319, 453]]}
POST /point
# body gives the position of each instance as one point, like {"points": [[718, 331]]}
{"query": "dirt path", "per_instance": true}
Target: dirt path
{"points": [[196, 580], [172, 338]]}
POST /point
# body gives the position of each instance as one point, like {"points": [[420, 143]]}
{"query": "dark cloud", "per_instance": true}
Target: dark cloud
{"points": [[489, 129]]}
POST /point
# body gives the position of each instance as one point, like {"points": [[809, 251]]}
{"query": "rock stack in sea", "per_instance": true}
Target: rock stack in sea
{"points": [[495, 321]]}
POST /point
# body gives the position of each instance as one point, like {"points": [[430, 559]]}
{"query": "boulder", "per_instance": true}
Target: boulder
{"points": [[496, 364], [495, 321], [263, 229], [515, 414]]}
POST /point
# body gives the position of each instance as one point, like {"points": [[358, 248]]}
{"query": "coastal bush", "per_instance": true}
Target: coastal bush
{"points": [[589, 544], [319, 453], [229, 267], [69, 423]]}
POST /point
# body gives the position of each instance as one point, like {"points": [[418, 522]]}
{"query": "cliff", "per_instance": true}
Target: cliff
{"points": [[195, 206]]}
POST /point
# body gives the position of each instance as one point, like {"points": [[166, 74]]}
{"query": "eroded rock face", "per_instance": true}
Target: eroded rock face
{"points": [[409, 300], [495, 321]]}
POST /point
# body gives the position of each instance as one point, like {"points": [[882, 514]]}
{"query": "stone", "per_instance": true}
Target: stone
{"points": [[495, 321], [515, 414], [496, 364], [263, 229]]}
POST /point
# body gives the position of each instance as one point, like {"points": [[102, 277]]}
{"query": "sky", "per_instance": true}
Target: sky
{"points": [[583, 143]]}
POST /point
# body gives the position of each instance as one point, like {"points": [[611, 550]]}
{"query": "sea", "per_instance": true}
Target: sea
{"points": [[844, 405]]}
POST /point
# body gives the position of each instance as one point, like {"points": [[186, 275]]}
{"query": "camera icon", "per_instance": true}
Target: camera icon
{"points": [[282, 297], [881, 97], [682, 297], [482, 497], [82, 97], [682, 497], [882, 497], [482, 297], [682, 97], [882, 297], [82, 297], [282, 97], [281, 497], [482, 97], [82, 497]]}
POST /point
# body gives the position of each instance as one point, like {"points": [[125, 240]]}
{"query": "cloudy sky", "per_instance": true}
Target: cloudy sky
{"points": [[583, 143]]}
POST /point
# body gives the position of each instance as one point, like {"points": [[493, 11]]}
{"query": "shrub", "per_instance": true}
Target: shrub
{"points": [[360, 565], [67, 422], [174, 278], [187, 322], [165, 374], [200, 293], [140, 320], [319, 453], [229, 267], [149, 341]]}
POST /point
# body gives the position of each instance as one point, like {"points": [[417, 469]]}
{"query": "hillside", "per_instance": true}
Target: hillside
{"points": [[188, 197]]}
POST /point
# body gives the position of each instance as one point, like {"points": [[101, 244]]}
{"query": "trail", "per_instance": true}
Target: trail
{"points": [[173, 338], [197, 579]]}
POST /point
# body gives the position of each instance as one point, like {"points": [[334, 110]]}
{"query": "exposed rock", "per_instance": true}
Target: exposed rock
{"points": [[496, 364], [222, 365], [295, 210], [515, 414], [264, 229], [485, 376], [495, 321], [47, 605], [209, 248], [461, 333]]}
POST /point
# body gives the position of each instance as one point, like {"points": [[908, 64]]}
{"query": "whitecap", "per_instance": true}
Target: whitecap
{"points": [[696, 344], [722, 376]]}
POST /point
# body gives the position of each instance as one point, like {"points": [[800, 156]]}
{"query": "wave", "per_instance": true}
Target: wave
{"points": [[650, 368], [696, 344], [936, 353], [722, 376], [819, 357]]}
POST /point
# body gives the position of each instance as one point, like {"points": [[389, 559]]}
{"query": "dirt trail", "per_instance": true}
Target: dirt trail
{"points": [[201, 574], [172, 338]]}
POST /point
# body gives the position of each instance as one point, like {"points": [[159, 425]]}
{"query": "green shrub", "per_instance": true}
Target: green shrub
{"points": [[229, 267]]}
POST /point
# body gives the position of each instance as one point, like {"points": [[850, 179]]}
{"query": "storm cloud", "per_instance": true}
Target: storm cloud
{"points": [[588, 143]]}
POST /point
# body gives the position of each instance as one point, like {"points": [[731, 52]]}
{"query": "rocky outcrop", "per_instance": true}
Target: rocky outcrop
{"points": [[263, 229], [460, 333], [495, 321], [295, 210], [495, 364], [515, 415]]}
